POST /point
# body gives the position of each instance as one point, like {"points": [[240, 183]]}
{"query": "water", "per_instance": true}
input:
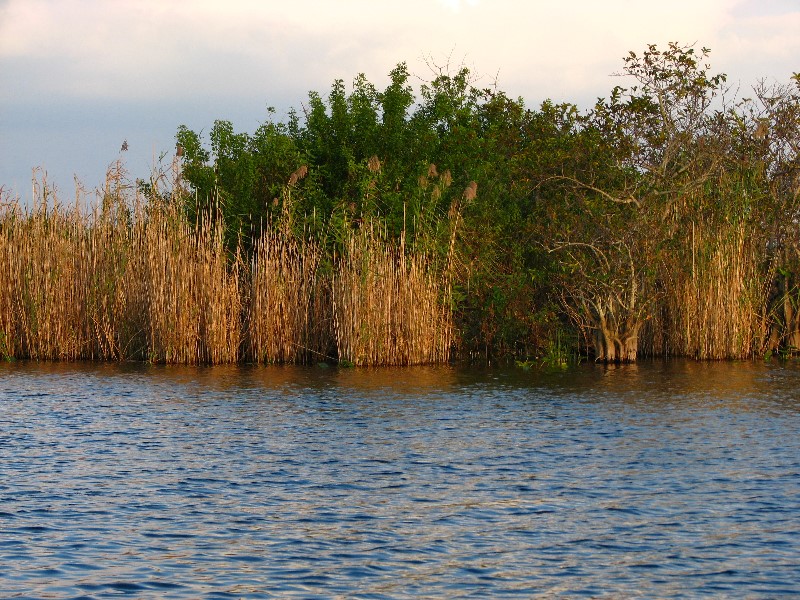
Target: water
{"points": [[663, 480]]}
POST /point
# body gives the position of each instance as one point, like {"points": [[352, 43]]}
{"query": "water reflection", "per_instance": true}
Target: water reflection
{"points": [[663, 479]]}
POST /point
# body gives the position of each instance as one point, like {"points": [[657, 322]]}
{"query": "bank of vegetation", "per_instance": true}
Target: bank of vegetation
{"points": [[133, 278], [383, 227]]}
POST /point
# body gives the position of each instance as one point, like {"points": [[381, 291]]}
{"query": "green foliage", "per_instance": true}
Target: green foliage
{"points": [[6, 350], [242, 176], [577, 213]]}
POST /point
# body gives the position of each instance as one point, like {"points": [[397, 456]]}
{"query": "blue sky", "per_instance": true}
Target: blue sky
{"points": [[77, 77]]}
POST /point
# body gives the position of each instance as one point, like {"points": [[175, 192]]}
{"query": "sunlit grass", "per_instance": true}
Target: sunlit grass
{"points": [[129, 278]]}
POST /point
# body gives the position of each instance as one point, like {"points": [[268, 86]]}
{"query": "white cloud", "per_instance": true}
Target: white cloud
{"points": [[456, 5], [150, 48], [231, 59], [762, 44]]}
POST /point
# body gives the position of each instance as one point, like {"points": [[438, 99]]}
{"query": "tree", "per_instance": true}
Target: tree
{"points": [[630, 158]]}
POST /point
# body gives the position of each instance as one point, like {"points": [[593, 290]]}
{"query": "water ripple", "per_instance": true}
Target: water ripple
{"points": [[660, 480]]}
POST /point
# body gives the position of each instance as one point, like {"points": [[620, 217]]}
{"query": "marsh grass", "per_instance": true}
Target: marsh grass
{"points": [[287, 317], [716, 283], [122, 280], [131, 278], [53, 272], [193, 302], [716, 307], [389, 304]]}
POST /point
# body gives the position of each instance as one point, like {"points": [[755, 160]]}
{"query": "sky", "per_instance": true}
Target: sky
{"points": [[79, 77]]}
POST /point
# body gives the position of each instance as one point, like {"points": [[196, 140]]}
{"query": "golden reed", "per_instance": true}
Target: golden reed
{"points": [[715, 288], [129, 279], [387, 304]]}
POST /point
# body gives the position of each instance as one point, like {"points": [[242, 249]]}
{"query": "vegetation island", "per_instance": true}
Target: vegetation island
{"points": [[380, 227]]}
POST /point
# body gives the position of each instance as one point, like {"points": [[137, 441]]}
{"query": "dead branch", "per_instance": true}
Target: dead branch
{"points": [[606, 195]]}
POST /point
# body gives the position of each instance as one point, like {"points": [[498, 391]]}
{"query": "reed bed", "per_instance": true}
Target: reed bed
{"points": [[45, 292], [715, 291], [192, 290], [388, 304], [130, 279], [287, 317], [114, 283], [61, 280], [717, 308]]}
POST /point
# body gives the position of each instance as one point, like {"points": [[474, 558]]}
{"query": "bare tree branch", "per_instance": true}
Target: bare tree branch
{"points": [[606, 195]]}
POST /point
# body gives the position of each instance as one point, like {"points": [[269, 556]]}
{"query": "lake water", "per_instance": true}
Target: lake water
{"points": [[665, 480]]}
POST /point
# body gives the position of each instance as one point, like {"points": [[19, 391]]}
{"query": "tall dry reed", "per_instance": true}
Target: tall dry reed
{"points": [[715, 288], [191, 290], [389, 305], [60, 270], [121, 281], [287, 317], [131, 278], [717, 307]]}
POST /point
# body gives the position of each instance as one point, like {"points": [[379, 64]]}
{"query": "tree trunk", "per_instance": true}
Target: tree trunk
{"points": [[630, 347], [615, 343], [605, 347]]}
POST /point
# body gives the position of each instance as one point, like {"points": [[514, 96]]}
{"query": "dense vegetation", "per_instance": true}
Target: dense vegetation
{"points": [[132, 279], [380, 226], [661, 221]]}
